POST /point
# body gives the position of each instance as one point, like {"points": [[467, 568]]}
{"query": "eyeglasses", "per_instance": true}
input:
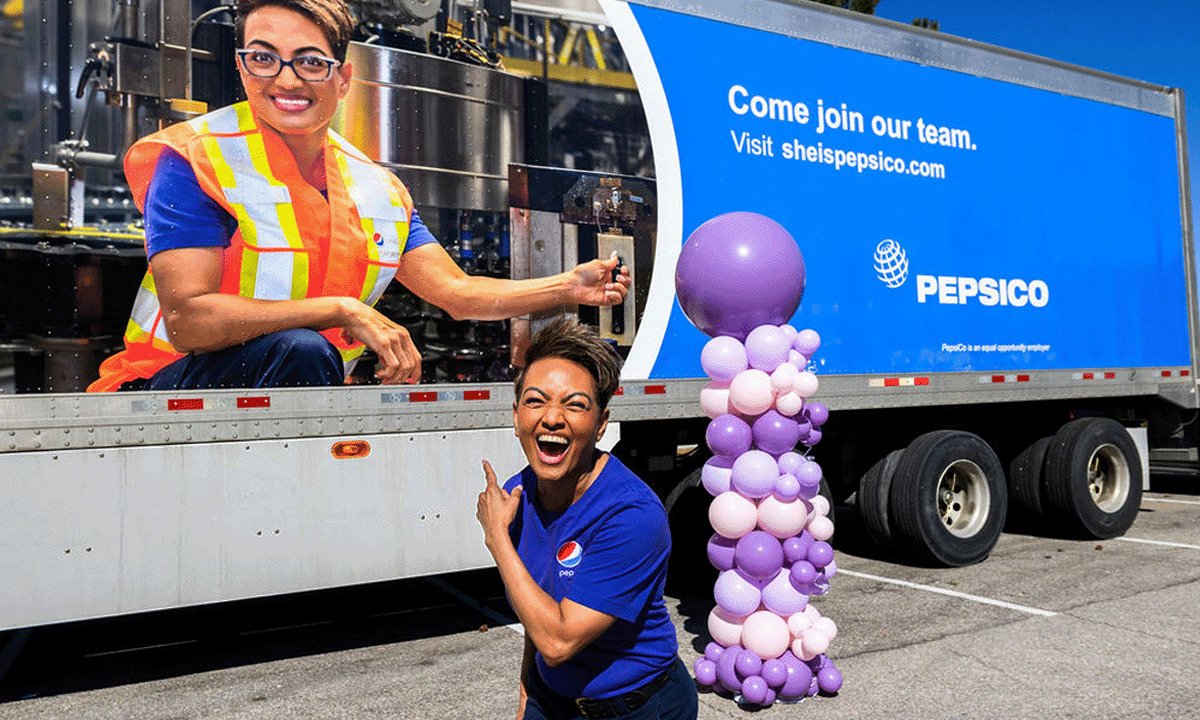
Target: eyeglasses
{"points": [[309, 68]]}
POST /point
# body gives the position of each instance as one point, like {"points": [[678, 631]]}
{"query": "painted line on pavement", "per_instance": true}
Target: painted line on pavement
{"points": [[951, 593], [1170, 500], [1159, 542], [471, 602]]}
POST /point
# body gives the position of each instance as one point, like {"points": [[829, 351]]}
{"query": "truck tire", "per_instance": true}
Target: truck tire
{"points": [[948, 499], [1094, 477], [874, 488], [1027, 477]]}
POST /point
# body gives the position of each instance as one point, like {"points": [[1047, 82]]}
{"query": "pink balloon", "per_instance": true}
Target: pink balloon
{"points": [[813, 642], [784, 377], [750, 392], [765, 634], [825, 625], [798, 622], [724, 627], [732, 515], [714, 399], [820, 505], [781, 519], [807, 342], [821, 527], [788, 403], [806, 385]]}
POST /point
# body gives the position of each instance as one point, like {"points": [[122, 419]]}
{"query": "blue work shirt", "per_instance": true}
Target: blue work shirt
{"points": [[607, 551]]}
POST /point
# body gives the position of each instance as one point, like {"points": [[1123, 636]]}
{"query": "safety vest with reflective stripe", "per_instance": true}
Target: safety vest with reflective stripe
{"points": [[290, 242]]}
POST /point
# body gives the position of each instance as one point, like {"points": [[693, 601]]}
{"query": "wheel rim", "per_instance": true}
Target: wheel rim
{"points": [[964, 500], [1108, 478]]}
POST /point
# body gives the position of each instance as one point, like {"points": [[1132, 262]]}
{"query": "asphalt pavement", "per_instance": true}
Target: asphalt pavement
{"points": [[1047, 627]]}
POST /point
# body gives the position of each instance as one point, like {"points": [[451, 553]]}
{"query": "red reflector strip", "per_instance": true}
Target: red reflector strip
{"points": [[997, 378], [620, 390], [422, 397], [891, 382], [1110, 376], [254, 402], [186, 404], [656, 389], [1166, 373], [1184, 373], [1089, 376], [920, 381], [477, 395], [1022, 378]]}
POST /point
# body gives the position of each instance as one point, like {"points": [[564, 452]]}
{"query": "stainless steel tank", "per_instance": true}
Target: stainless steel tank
{"points": [[447, 129]]}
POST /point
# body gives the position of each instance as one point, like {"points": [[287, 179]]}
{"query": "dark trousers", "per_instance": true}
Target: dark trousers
{"points": [[677, 700], [289, 358]]}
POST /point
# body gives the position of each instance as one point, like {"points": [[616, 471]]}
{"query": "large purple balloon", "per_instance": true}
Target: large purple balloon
{"points": [[721, 551], [737, 271], [775, 433], [754, 474], [759, 554], [728, 435]]}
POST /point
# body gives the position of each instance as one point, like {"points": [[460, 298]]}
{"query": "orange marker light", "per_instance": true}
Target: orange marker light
{"points": [[351, 449]]}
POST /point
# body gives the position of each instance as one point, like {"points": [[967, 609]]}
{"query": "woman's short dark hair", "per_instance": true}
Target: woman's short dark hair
{"points": [[566, 338], [332, 16]]}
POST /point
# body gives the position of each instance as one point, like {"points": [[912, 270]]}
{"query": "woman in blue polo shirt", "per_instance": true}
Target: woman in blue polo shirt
{"points": [[582, 545]]}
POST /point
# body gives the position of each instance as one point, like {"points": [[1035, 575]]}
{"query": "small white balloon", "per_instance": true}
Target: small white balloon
{"points": [[782, 519], [725, 628], [799, 651], [812, 612], [806, 385], [814, 642], [798, 622]]}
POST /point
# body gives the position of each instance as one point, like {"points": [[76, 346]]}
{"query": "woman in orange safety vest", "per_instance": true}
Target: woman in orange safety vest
{"points": [[313, 232]]}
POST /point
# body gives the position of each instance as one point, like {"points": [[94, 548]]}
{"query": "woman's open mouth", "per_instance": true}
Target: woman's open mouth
{"points": [[552, 448]]}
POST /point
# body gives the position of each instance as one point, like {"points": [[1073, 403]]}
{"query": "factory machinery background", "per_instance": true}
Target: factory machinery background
{"points": [[517, 127]]}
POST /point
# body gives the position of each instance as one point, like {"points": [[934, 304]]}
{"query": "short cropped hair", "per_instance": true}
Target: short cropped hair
{"points": [[332, 16], [566, 338]]}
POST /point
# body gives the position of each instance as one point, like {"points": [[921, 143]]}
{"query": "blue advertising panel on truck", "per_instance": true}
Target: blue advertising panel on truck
{"points": [[949, 222]]}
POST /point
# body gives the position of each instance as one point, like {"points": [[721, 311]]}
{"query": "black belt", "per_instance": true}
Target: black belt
{"points": [[630, 701]]}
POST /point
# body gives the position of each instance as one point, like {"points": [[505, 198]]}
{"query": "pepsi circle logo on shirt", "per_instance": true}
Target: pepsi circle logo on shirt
{"points": [[570, 554]]}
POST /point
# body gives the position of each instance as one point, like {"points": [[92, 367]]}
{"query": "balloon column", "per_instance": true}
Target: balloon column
{"points": [[739, 279]]}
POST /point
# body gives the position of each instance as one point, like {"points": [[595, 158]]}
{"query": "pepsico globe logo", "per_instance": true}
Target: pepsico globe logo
{"points": [[891, 263], [570, 554]]}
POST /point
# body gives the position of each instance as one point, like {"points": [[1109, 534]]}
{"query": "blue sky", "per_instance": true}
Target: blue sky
{"points": [[1158, 42]]}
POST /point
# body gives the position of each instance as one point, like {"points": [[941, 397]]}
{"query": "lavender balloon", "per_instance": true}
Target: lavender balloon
{"points": [[754, 474], [787, 487], [820, 554], [735, 594], [790, 463], [781, 597], [767, 348], [728, 435], [722, 358], [737, 271], [726, 673], [775, 433], [807, 342], [713, 651], [814, 437], [758, 554], [809, 477], [715, 474]]}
